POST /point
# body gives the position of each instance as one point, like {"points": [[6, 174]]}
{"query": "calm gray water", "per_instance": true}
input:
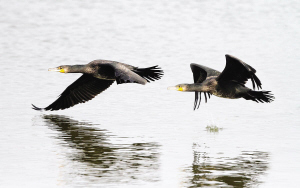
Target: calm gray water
{"points": [[146, 136]]}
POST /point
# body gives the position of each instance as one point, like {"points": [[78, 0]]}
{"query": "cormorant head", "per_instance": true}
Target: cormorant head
{"points": [[179, 87], [62, 69]]}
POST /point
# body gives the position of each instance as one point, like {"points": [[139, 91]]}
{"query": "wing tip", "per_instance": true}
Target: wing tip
{"points": [[228, 56], [37, 108], [145, 82]]}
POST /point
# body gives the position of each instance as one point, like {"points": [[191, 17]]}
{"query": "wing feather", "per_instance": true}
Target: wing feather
{"points": [[238, 71], [83, 89], [125, 75], [200, 73]]}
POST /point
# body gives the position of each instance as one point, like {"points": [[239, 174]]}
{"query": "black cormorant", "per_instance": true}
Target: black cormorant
{"points": [[97, 76], [227, 84]]}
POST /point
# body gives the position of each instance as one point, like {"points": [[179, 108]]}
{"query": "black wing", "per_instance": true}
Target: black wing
{"points": [[121, 72], [200, 73], [83, 89], [239, 71], [124, 75]]}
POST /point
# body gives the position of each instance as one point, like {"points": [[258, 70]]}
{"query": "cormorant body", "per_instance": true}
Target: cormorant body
{"points": [[227, 84], [97, 76]]}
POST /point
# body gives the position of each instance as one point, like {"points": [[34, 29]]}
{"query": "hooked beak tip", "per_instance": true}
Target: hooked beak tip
{"points": [[53, 69], [172, 88], [57, 70]]}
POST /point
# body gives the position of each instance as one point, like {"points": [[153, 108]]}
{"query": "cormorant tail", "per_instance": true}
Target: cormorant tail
{"points": [[150, 73], [260, 96]]}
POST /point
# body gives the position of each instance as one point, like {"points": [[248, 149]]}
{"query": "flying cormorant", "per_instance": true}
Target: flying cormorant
{"points": [[97, 76], [227, 84]]}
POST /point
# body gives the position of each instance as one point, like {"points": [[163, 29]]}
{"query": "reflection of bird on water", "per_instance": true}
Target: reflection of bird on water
{"points": [[81, 136], [97, 76], [227, 84], [243, 170], [104, 158]]}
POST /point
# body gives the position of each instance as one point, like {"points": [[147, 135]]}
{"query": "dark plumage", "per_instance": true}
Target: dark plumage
{"points": [[227, 84], [97, 76]]}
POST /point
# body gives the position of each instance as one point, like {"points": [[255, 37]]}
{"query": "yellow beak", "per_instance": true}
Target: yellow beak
{"points": [[57, 70], [175, 88]]}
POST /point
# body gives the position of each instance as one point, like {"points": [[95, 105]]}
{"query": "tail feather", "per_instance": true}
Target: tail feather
{"points": [[260, 96], [150, 73]]}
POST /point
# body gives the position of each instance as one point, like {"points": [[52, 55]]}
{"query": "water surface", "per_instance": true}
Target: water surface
{"points": [[146, 136]]}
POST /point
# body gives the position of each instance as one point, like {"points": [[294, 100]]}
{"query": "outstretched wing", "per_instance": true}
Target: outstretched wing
{"points": [[125, 75], [200, 73], [239, 71], [83, 89]]}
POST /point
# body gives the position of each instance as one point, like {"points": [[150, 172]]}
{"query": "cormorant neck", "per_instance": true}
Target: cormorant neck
{"points": [[197, 87], [76, 69]]}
